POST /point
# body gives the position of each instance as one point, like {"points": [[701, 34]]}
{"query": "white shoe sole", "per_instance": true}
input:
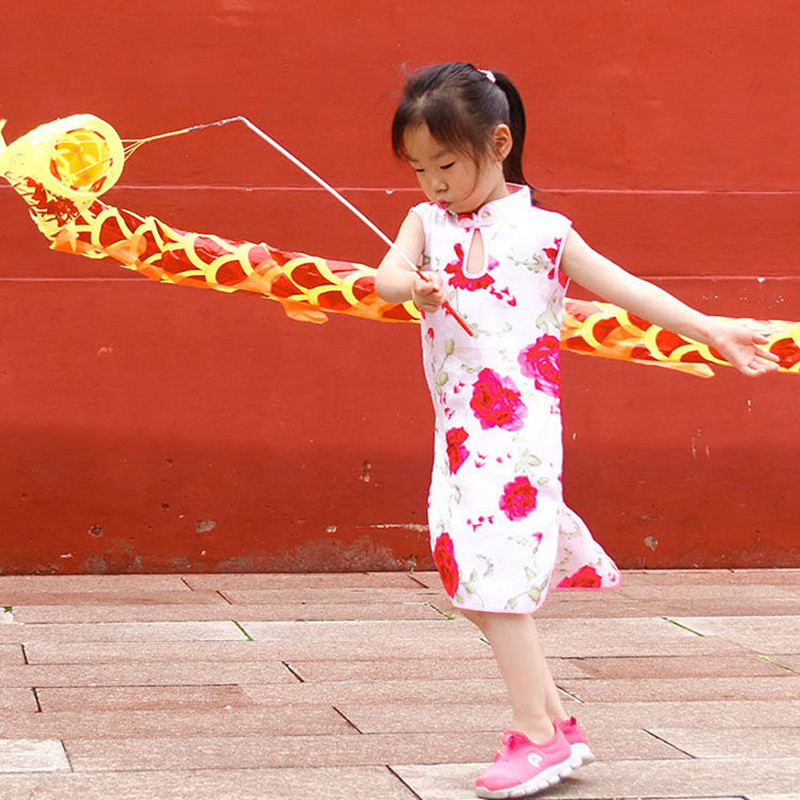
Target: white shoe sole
{"points": [[544, 780], [581, 755]]}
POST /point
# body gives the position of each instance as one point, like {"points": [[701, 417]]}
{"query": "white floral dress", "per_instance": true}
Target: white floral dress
{"points": [[500, 532]]}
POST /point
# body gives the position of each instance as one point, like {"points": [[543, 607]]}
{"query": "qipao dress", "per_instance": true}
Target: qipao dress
{"points": [[500, 532]]}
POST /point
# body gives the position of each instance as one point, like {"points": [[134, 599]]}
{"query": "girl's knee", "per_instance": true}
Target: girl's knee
{"points": [[475, 617], [488, 621]]}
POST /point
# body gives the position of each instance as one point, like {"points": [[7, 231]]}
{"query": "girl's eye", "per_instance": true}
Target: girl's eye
{"points": [[447, 166]]}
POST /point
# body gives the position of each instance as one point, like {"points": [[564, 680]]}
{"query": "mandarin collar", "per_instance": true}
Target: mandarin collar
{"points": [[519, 197]]}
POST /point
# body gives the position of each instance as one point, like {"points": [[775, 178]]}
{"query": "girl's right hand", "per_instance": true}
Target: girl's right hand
{"points": [[428, 292]]}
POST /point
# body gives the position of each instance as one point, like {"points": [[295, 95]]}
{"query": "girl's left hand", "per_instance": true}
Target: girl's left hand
{"points": [[741, 347]]}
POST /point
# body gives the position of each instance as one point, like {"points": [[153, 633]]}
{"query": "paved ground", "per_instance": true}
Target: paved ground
{"points": [[326, 687]]}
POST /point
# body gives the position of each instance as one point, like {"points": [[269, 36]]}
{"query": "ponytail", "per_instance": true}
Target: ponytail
{"points": [[512, 166]]}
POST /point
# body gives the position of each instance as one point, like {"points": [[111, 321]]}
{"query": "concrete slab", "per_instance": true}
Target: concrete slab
{"points": [[697, 714], [690, 778], [786, 686], [125, 612], [731, 666], [223, 610], [790, 662], [428, 578], [47, 584], [438, 630], [182, 722], [149, 708], [605, 605], [286, 650], [405, 718], [740, 743], [32, 755], [582, 638], [418, 669], [576, 604], [260, 752], [335, 595], [186, 673], [763, 634], [119, 698], [333, 580], [122, 632], [18, 787], [332, 783], [252, 752], [413, 693], [711, 577], [723, 588], [17, 699], [477, 692], [30, 596], [793, 796], [560, 637], [723, 606], [637, 600], [11, 654], [625, 779], [396, 718]]}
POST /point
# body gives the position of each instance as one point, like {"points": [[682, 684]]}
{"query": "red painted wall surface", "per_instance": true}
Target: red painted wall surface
{"points": [[154, 428]]}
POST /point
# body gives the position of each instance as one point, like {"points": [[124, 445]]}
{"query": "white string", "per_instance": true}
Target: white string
{"points": [[323, 183]]}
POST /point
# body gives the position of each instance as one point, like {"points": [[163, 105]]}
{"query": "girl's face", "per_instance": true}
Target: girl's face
{"points": [[452, 179]]}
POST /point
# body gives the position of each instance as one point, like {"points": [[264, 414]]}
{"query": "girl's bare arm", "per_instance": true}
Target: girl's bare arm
{"points": [[739, 345], [397, 282]]}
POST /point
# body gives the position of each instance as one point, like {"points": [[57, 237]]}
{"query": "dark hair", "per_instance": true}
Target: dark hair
{"points": [[462, 105]]}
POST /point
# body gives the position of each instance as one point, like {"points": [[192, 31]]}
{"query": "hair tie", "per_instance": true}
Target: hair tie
{"points": [[489, 74]]}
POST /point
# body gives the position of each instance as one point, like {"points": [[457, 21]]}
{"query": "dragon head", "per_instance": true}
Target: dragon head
{"points": [[77, 157]]}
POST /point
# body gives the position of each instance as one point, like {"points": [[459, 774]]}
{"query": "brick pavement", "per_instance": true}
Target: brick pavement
{"points": [[326, 687]]}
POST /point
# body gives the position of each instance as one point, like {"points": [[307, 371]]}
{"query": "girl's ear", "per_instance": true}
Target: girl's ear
{"points": [[503, 141]]}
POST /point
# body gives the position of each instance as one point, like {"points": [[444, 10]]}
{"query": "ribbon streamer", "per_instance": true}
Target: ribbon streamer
{"points": [[61, 168], [135, 144]]}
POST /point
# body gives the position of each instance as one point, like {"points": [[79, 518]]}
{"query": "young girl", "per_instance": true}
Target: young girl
{"points": [[500, 532]]}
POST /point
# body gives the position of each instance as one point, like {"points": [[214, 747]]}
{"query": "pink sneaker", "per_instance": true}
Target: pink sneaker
{"points": [[522, 768], [576, 739]]}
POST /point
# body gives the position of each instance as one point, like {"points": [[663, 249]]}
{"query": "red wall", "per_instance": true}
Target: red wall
{"points": [[152, 428]]}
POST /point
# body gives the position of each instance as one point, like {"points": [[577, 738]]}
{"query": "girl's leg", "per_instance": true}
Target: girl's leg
{"points": [[553, 702], [535, 701]]}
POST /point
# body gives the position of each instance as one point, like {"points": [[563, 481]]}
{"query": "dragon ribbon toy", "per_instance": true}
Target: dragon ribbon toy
{"points": [[61, 168]]}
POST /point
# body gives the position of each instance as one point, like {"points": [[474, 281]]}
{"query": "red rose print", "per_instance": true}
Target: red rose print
{"points": [[446, 563], [585, 578], [552, 252], [519, 498], [496, 402], [462, 279], [457, 454], [541, 361]]}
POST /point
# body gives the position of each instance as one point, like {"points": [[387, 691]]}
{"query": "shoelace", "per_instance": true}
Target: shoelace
{"points": [[504, 753]]}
